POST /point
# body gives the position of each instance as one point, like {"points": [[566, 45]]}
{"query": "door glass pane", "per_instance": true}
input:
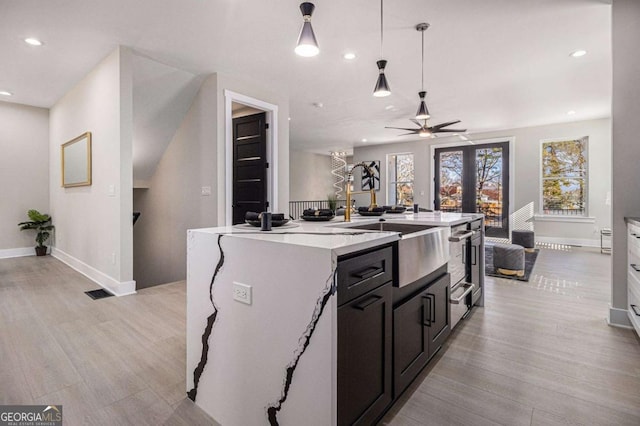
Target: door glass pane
{"points": [[451, 181], [489, 185]]}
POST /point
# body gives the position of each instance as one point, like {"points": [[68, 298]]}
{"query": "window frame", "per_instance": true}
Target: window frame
{"points": [[585, 214], [395, 171]]}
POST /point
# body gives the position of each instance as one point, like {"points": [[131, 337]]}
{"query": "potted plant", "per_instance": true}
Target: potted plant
{"points": [[41, 223]]}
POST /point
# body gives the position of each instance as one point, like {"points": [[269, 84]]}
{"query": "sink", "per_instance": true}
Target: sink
{"points": [[402, 228], [422, 249]]}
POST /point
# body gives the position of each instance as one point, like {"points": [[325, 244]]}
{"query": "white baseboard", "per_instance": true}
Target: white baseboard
{"points": [[17, 252], [584, 242], [618, 318], [118, 288]]}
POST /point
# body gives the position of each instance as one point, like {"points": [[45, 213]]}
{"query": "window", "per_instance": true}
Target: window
{"points": [[564, 177], [400, 178]]}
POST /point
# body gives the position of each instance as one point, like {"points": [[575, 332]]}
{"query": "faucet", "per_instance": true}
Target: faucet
{"points": [[372, 191]]}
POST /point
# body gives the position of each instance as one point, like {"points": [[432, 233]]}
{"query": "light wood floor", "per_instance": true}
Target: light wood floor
{"points": [[538, 353]]}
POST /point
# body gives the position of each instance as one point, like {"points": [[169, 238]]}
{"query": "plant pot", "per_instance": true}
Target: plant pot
{"points": [[41, 251]]}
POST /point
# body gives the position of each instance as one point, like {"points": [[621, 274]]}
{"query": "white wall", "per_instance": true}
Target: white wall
{"points": [[195, 158], [527, 173], [173, 203], [310, 176], [626, 149], [24, 174], [93, 227]]}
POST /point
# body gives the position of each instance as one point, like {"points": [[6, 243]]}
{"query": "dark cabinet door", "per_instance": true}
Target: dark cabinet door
{"points": [[410, 340], [364, 357], [438, 295]]}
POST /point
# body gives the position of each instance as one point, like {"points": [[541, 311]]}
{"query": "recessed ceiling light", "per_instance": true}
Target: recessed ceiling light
{"points": [[33, 41], [389, 107], [318, 104], [364, 140], [289, 118], [571, 112], [349, 56], [578, 53], [5, 93]]}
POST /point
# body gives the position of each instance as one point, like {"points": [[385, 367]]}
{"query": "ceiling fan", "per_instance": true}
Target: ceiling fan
{"points": [[426, 131]]}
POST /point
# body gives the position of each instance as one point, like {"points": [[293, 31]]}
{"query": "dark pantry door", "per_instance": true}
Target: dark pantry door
{"points": [[249, 166]]}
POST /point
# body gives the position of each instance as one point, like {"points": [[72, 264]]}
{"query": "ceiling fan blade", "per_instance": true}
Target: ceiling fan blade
{"points": [[448, 123], [417, 123], [402, 128], [449, 130], [406, 134]]}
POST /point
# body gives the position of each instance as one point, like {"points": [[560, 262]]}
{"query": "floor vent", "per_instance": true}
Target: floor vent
{"points": [[98, 294]]}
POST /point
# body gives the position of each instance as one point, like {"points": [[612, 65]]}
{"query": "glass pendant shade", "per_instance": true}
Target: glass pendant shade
{"points": [[307, 43], [382, 86], [423, 111]]}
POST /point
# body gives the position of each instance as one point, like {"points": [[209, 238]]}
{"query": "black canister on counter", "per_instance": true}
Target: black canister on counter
{"points": [[265, 221]]}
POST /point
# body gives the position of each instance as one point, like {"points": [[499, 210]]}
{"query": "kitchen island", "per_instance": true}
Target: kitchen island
{"points": [[273, 356]]}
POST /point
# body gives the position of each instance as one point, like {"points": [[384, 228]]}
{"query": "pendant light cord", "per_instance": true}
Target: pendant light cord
{"points": [[423, 60], [381, 29]]}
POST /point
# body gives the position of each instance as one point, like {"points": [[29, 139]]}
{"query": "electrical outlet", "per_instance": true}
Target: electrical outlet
{"points": [[205, 190], [242, 293]]}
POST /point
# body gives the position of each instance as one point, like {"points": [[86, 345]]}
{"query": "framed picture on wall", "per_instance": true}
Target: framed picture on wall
{"points": [[371, 181]]}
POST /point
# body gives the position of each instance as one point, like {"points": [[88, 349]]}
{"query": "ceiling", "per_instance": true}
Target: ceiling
{"points": [[493, 64]]}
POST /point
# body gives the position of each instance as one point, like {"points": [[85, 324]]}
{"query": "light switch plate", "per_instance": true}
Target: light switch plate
{"points": [[242, 293], [206, 190], [112, 190]]}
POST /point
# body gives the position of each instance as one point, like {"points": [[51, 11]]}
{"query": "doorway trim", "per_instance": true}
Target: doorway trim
{"points": [[272, 149], [510, 139]]}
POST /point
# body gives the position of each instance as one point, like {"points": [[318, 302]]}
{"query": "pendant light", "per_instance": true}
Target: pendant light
{"points": [[382, 86], [307, 44], [423, 112]]}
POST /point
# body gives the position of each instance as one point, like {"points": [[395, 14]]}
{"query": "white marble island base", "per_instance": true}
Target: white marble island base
{"points": [[273, 361]]}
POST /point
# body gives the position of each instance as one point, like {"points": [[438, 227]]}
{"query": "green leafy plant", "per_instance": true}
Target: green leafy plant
{"points": [[332, 200], [41, 223]]}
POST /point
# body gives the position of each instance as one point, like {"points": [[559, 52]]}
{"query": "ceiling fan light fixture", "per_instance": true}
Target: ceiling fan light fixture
{"points": [[307, 44], [424, 133], [423, 111], [382, 88]]}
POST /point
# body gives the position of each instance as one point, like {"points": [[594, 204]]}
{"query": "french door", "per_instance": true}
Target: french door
{"points": [[475, 179]]}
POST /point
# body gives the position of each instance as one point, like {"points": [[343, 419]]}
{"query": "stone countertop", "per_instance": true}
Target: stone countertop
{"points": [[334, 234], [310, 234]]}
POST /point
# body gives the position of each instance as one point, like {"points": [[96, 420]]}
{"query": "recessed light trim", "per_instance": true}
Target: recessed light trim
{"points": [[364, 139], [5, 93], [572, 112], [389, 107], [33, 41], [349, 56], [578, 53]]}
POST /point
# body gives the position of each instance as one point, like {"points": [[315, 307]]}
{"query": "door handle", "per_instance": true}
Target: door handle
{"points": [[426, 315], [370, 301], [460, 298], [432, 299], [635, 267], [635, 310], [368, 272], [474, 255]]}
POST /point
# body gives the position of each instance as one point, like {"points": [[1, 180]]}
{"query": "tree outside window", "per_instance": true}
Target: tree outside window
{"points": [[564, 177], [400, 177]]}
